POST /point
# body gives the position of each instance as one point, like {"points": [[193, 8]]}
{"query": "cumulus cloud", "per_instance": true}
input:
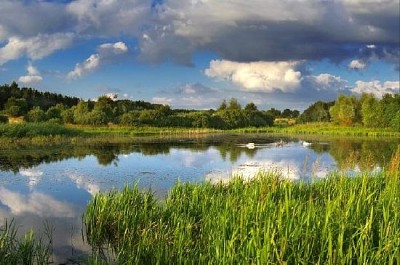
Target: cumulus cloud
{"points": [[194, 89], [173, 29], [106, 53], [376, 87], [257, 76], [270, 30], [109, 17], [357, 65], [35, 47], [33, 75], [328, 82]]}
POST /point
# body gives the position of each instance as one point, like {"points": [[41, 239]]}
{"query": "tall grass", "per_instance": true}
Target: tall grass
{"points": [[35, 129], [325, 128], [26, 250], [268, 220]]}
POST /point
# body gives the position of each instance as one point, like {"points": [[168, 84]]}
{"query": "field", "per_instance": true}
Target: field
{"points": [[267, 220]]}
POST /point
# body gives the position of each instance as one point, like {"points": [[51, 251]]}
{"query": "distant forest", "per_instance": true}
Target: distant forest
{"points": [[35, 106]]}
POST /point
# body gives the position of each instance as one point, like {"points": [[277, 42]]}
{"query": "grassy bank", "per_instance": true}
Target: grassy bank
{"points": [[334, 130], [31, 130], [267, 220]]}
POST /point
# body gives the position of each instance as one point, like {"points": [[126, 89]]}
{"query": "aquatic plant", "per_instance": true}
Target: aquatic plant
{"points": [[268, 220], [25, 250]]}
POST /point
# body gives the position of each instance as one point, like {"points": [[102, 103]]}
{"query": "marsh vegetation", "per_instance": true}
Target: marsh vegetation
{"points": [[267, 220]]}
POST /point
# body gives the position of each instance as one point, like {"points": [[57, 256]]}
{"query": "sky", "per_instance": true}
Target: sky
{"points": [[195, 53]]}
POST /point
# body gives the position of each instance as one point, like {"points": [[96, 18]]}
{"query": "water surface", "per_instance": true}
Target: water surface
{"points": [[54, 184]]}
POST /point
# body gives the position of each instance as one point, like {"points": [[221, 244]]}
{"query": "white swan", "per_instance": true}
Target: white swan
{"points": [[250, 145], [305, 144]]}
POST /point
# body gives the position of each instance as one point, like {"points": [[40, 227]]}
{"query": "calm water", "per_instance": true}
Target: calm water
{"points": [[55, 184]]}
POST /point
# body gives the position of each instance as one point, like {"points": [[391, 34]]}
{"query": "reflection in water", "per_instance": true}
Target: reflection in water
{"points": [[37, 203], [56, 183], [34, 208], [33, 174]]}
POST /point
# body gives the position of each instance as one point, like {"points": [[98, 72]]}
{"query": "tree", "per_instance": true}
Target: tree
{"points": [[231, 115], [36, 115], [16, 107], [343, 112], [130, 118], [104, 108], [274, 113], [253, 116], [371, 111], [67, 115], [317, 112], [80, 112]]}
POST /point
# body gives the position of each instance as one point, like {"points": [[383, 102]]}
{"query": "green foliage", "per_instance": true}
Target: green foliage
{"points": [[3, 118], [34, 97], [346, 110], [16, 107], [35, 129], [27, 250], [130, 118], [67, 115], [343, 112], [80, 112], [267, 220], [36, 115], [317, 112]]}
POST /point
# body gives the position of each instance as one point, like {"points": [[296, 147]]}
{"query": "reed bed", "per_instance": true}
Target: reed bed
{"points": [[267, 220], [25, 250]]}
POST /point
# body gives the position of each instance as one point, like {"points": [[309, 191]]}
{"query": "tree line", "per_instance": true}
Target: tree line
{"points": [[36, 106], [367, 110]]}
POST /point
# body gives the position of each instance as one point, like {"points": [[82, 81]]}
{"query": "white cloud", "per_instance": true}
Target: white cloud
{"points": [[27, 79], [162, 100], [376, 87], [329, 82], [106, 53], [109, 17], [357, 64], [32, 77], [116, 48], [88, 65], [35, 47], [32, 70], [257, 76]]}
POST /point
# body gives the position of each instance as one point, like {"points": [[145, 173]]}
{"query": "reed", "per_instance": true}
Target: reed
{"points": [[267, 220], [24, 250]]}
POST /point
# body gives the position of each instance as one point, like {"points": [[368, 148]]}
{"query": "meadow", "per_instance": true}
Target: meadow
{"points": [[267, 220]]}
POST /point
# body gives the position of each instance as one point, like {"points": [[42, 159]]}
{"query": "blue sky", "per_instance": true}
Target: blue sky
{"points": [[195, 53]]}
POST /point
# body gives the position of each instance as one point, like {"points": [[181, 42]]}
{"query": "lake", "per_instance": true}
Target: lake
{"points": [[53, 185]]}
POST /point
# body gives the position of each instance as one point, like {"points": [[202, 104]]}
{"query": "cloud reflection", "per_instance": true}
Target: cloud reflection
{"points": [[34, 175], [35, 203], [82, 182], [290, 169]]}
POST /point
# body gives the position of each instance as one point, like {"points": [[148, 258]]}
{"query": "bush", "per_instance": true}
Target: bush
{"points": [[3, 119]]}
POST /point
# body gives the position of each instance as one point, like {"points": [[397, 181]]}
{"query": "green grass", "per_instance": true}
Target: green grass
{"points": [[28, 130], [50, 132], [267, 220], [332, 129], [24, 250]]}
